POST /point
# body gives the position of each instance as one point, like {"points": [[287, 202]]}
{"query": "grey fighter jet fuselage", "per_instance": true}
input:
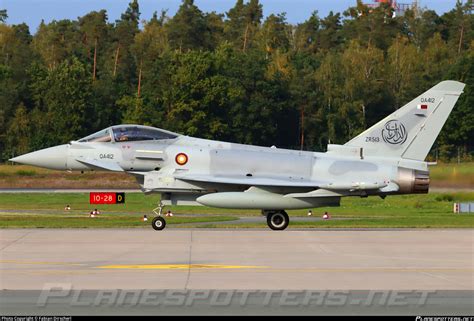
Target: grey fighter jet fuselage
{"points": [[386, 159]]}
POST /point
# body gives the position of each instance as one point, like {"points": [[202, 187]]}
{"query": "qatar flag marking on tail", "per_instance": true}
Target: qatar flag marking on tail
{"points": [[424, 107]]}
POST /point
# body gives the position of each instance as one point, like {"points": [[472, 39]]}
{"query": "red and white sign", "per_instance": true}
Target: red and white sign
{"points": [[106, 198]]}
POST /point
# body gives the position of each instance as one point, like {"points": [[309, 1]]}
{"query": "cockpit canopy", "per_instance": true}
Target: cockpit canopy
{"points": [[123, 133]]}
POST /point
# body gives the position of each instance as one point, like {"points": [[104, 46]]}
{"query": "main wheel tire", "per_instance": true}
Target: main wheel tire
{"points": [[278, 221], [158, 223]]}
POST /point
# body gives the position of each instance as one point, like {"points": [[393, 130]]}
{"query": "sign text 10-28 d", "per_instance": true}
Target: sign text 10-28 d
{"points": [[106, 198]]}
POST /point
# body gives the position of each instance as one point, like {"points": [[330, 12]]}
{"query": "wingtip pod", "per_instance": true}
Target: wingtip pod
{"points": [[450, 86]]}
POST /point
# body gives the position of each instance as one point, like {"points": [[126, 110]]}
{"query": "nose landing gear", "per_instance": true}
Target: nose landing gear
{"points": [[158, 223]]}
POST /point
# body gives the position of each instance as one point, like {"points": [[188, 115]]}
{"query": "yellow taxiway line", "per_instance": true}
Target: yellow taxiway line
{"points": [[204, 267]]}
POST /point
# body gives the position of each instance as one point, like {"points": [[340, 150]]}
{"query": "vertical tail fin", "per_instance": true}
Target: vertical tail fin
{"points": [[411, 131]]}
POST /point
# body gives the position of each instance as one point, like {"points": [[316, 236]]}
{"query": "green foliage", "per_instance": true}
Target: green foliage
{"points": [[62, 101], [187, 29], [235, 77], [19, 132], [444, 198], [133, 110], [459, 128], [242, 24], [25, 173]]}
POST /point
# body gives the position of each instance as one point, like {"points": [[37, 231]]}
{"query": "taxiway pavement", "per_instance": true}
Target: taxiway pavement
{"points": [[431, 259]]}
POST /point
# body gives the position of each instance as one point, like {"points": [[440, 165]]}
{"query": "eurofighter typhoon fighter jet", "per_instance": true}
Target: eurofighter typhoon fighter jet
{"points": [[386, 159]]}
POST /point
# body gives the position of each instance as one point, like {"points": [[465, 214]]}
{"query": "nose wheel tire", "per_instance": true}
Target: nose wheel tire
{"points": [[278, 221], [158, 223]]}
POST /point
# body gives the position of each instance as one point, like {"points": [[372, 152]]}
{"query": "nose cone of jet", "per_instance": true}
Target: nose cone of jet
{"points": [[52, 158]]}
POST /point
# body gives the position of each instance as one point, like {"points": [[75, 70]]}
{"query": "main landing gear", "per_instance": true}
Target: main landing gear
{"points": [[158, 223], [277, 220]]}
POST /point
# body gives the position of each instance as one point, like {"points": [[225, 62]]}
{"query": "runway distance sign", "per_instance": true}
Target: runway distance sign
{"points": [[106, 198]]}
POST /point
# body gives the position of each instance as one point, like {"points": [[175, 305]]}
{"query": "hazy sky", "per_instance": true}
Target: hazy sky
{"points": [[32, 11]]}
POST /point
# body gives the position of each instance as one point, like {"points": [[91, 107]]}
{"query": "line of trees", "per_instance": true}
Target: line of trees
{"points": [[234, 76]]}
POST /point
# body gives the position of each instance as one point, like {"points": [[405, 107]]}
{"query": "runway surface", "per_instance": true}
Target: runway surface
{"points": [[238, 259]]}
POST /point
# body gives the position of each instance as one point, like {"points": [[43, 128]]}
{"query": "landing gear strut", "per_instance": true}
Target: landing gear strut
{"points": [[277, 220], [158, 223]]}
